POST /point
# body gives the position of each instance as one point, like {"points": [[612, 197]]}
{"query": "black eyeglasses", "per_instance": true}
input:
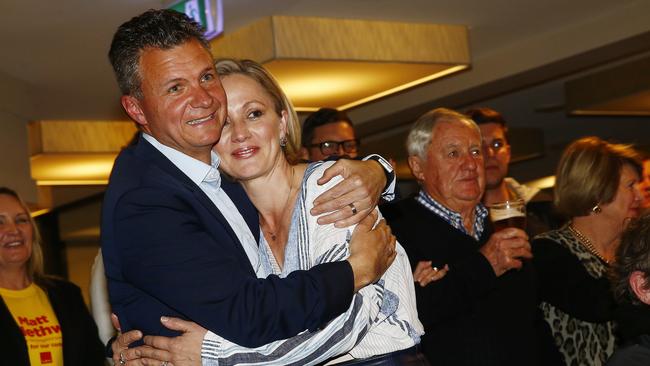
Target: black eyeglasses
{"points": [[332, 147]]}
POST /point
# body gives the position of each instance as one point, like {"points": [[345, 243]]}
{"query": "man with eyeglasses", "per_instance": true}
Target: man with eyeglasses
{"points": [[499, 187], [328, 133]]}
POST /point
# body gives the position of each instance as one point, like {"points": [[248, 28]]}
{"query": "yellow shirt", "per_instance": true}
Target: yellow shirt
{"points": [[35, 317]]}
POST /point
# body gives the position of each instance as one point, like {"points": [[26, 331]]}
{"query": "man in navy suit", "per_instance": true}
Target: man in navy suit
{"points": [[178, 238]]}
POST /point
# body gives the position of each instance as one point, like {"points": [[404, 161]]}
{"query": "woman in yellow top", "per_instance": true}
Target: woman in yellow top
{"points": [[43, 320]]}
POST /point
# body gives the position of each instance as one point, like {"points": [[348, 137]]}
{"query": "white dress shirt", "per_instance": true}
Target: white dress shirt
{"points": [[208, 178]]}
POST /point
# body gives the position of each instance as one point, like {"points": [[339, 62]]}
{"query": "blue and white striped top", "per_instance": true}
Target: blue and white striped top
{"points": [[382, 317]]}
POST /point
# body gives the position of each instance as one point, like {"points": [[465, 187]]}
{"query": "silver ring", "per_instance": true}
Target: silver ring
{"points": [[164, 363], [122, 360], [354, 209], [435, 269]]}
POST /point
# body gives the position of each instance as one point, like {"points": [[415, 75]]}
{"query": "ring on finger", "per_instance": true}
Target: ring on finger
{"points": [[354, 209], [435, 269], [164, 363], [122, 359]]}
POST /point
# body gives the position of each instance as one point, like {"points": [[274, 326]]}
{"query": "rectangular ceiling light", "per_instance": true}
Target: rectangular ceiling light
{"points": [[344, 63], [64, 153]]}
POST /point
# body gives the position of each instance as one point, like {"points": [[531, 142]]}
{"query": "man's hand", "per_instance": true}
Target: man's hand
{"points": [[362, 185], [121, 350], [371, 250], [506, 249], [425, 274], [121, 344], [184, 350]]}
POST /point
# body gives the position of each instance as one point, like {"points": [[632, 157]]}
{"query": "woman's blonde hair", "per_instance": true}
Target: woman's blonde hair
{"points": [[35, 263], [589, 173], [281, 102]]}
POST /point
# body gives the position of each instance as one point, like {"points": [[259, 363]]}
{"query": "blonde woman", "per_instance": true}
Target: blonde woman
{"points": [[596, 189], [44, 320], [259, 148]]}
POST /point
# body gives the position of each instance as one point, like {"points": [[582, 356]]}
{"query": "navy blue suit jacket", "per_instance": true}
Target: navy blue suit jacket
{"points": [[168, 250]]}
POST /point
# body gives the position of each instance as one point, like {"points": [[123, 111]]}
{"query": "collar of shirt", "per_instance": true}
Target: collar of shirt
{"points": [[196, 170], [453, 218], [208, 179]]}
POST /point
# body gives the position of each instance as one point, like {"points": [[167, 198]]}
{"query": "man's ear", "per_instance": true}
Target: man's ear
{"points": [[133, 108], [304, 153], [417, 167], [639, 285]]}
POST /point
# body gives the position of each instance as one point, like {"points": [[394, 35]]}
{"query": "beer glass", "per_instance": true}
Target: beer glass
{"points": [[508, 214]]}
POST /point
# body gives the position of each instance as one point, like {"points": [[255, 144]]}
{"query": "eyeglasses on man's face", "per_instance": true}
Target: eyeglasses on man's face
{"points": [[332, 147]]}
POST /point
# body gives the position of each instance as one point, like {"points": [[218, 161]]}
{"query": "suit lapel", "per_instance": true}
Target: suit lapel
{"points": [[147, 151], [243, 204]]}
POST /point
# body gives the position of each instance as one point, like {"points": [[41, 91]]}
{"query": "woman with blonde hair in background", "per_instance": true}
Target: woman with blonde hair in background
{"points": [[44, 320], [596, 189]]}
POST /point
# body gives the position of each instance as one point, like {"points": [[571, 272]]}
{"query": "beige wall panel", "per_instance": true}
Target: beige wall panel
{"points": [[285, 37], [16, 105], [35, 138], [344, 39], [81, 136], [253, 42], [80, 258]]}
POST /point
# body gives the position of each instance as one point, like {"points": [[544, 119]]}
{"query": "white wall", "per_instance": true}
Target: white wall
{"points": [[16, 109]]}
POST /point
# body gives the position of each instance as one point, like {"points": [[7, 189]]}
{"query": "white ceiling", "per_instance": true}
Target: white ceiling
{"points": [[57, 49]]}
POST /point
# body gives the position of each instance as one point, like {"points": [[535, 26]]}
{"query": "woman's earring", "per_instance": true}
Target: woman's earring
{"points": [[596, 209], [283, 141]]}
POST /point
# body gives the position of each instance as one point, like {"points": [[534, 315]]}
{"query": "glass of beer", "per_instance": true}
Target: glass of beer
{"points": [[508, 214]]}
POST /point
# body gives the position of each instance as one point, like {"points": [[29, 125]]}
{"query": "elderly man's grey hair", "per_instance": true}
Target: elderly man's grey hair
{"points": [[421, 133]]}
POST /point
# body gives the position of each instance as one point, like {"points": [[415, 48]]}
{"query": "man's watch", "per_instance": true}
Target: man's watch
{"points": [[389, 189]]}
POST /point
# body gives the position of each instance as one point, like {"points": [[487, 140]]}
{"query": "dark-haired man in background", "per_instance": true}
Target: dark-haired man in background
{"points": [[328, 133], [498, 187]]}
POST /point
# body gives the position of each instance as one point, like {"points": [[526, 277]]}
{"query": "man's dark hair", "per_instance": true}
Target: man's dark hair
{"points": [[155, 28], [485, 115], [633, 254], [319, 118]]}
